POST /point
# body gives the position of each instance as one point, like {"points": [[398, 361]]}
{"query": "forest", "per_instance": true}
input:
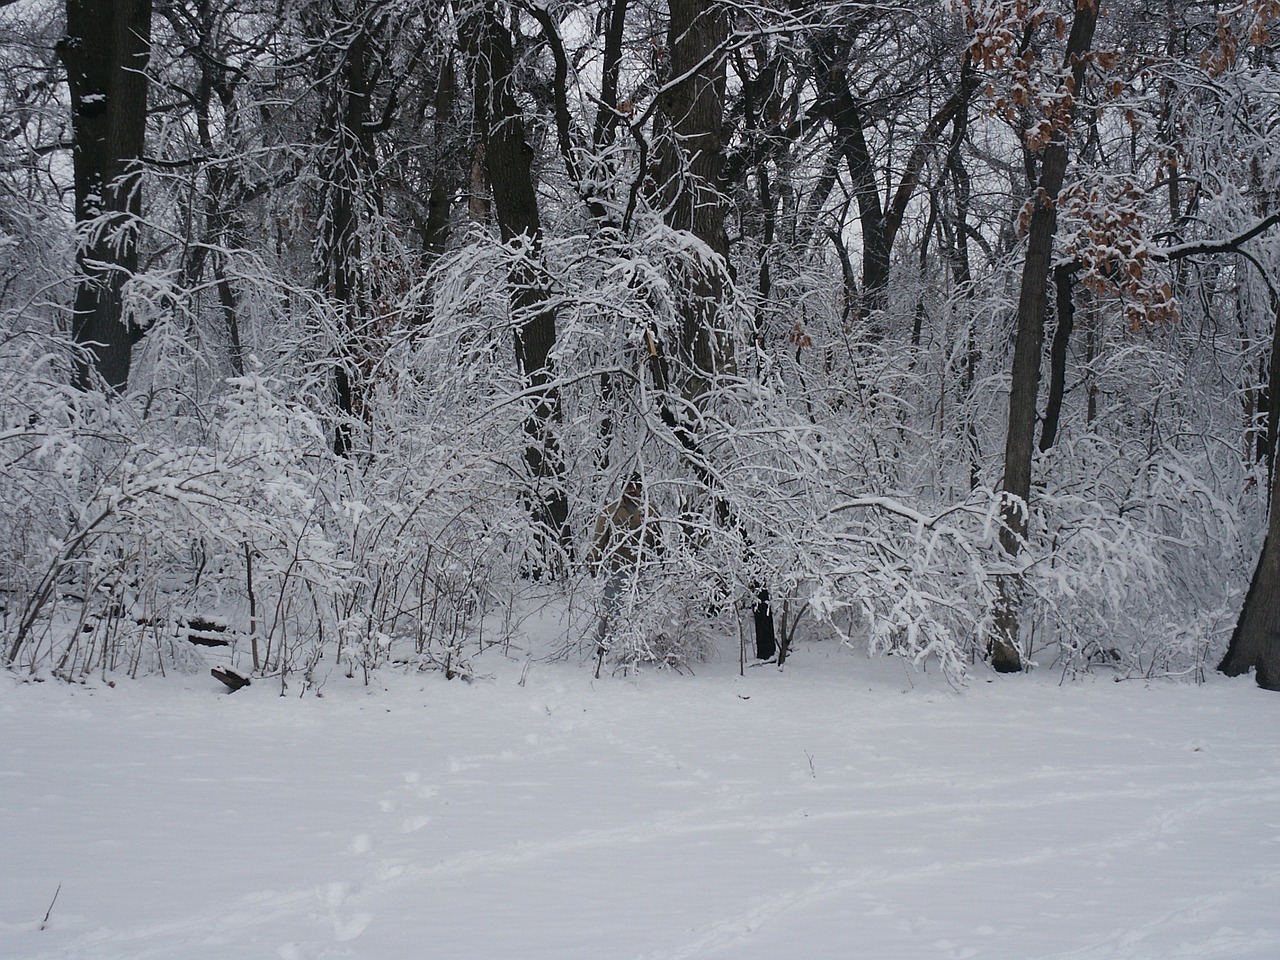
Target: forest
{"points": [[942, 329]]}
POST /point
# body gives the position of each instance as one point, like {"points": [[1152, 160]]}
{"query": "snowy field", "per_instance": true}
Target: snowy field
{"points": [[843, 808]]}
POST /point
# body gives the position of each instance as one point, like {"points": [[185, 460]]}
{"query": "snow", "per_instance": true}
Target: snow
{"points": [[842, 807]]}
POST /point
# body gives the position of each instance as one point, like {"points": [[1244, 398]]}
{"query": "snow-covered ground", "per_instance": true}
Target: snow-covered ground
{"points": [[842, 808]]}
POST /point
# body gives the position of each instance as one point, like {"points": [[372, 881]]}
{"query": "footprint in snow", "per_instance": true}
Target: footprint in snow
{"points": [[388, 870], [352, 926], [335, 894]]}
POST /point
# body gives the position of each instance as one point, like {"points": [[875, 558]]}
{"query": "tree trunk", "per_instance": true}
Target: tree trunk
{"points": [[691, 158], [444, 180], [956, 228], [225, 192], [508, 161], [879, 225], [351, 202], [106, 51], [1064, 284], [1019, 448], [691, 161], [838, 102], [1255, 642]]}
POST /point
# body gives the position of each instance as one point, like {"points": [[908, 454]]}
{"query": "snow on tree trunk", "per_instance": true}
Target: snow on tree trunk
{"points": [[106, 50], [508, 159]]}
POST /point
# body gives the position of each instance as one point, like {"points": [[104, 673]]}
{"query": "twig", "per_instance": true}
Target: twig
{"points": [[45, 922]]}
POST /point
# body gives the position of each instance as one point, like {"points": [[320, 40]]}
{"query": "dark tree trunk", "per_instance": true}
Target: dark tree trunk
{"points": [[230, 313], [1032, 308], [1064, 283], [837, 101], [350, 204], [608, 117], [508, 161], [956, 230], [691, 163], [691, 158], [762, 619], [879, 225], [444, 180], [106, 50], [1255, 642]]}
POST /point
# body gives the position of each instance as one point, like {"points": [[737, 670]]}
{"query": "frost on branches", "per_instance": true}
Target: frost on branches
{"points": [[394, 359]]}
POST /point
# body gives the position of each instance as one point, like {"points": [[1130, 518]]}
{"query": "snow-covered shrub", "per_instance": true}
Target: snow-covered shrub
{"points": [[140, 506], [839, 477], [131, 525]]}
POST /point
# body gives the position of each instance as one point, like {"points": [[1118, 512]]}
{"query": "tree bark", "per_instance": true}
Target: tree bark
{"points": [[1064, 285], [837, 101], [691, 162], [879, 224], [607, 116], [444, 180], [351, 202], [1255, 642], [106, 51], [508, 161], [1019, 448], [691, 158]]}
